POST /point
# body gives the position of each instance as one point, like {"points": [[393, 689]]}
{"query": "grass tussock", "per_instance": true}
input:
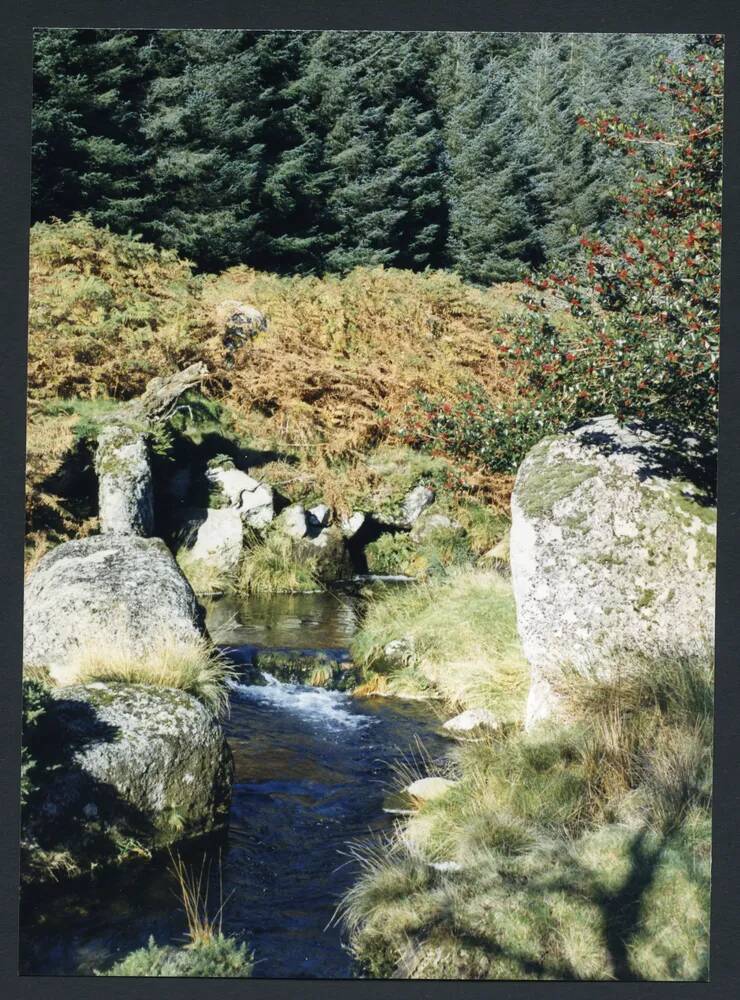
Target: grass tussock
{"points": [[277, 564], [460, 630], [208, 952], [191, 665], [577, 852]]}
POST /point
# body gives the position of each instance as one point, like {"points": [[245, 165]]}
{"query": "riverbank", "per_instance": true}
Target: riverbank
{"points": [[310, 763]]}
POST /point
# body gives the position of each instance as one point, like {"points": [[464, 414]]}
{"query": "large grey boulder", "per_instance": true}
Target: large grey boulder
{"points": [[213, 537], [105, 588], [252, 499], [133, 762], [612, 546], [125, 497]]}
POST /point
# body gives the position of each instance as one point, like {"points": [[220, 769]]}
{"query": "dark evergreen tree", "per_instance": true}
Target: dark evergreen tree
{"points": [[88, 152], [312, 151]]}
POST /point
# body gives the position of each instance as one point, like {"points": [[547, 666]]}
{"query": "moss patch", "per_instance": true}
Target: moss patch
{"points": [[546, 483]]}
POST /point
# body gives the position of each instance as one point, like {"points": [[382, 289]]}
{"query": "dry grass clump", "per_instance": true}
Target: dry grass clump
{"points": [[208, 953], [191, 665], [341, 361]]}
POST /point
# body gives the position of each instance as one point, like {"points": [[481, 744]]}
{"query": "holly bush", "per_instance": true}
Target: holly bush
{"points": [[647, 300]]}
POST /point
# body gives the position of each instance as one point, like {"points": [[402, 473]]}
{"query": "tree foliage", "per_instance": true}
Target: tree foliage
{"points": [[307, 152], [647, 300]]}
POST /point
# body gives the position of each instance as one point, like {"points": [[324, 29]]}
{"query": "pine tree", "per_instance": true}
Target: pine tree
{"points": [[88, 152], [488, 189]]}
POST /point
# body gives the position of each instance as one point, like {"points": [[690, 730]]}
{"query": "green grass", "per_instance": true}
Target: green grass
{"points": [[581, 851], [90, 413], [390, 554], [462, 628], [278, 565], [191, 665], [223, 957]]}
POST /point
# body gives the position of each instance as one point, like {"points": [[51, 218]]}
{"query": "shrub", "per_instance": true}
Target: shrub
{"points": [[390, 554], [191, 665], [35, 704], [647, 300], [223, 957]]}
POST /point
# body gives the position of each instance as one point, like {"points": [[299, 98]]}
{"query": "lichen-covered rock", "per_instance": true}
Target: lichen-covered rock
{"points": [[140, 763], [101, 588], [239, 322], [612, 543], [214, 536], [416, 502], [253, 500], [125, 496]]}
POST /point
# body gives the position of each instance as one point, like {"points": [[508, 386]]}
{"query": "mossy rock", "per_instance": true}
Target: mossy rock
{"points": [[130, 769], [612, 551]]}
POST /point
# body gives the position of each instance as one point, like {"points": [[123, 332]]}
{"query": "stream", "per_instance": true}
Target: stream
{"points": [[313, 769]]}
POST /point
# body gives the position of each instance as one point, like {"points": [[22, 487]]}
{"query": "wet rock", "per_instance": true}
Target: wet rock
{"points": [[428, 789], [103, 589], [253, 500], [135, 762], [613, 544], [125, 496], [473, 718]]}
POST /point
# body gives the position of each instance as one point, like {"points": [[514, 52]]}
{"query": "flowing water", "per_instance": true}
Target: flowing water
{"points": [[313, 772]]}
